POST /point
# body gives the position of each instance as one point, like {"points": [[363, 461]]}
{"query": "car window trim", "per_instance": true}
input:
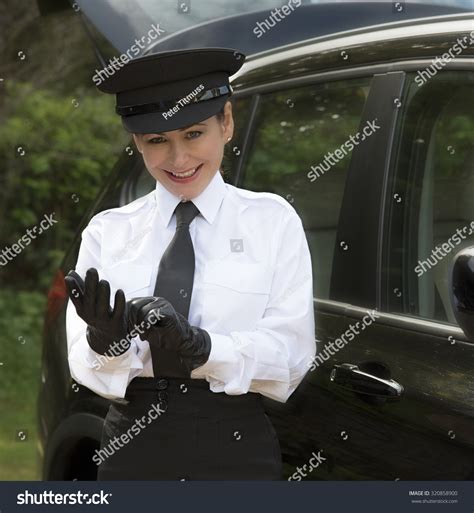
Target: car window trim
{"points": [[459, 63], [417, 325], [447, 26], [365, 193]]}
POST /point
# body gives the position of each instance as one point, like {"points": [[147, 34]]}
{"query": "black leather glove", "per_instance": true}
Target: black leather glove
{"points": [[170, 330], [105, 326]]}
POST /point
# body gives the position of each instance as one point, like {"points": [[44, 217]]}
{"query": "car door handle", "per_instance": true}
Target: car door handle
{"points": [[349, 376]]}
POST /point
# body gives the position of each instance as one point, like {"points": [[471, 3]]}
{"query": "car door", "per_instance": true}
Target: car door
{"points": [[429, 217], [406, 409], [405, 381]]}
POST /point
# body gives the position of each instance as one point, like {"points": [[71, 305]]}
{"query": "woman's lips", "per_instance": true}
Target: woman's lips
{"points": [[185, 180]]}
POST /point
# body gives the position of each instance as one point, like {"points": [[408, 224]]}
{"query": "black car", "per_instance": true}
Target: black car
{"points": [[366, 127]]}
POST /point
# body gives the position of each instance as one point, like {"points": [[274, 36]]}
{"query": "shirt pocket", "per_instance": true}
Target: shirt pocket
{"points": [[133, 279], [235, 294]]}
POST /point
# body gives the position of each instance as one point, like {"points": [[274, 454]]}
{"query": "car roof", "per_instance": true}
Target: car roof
{"points": [[122, 22], [370, 46], [309, 21]]}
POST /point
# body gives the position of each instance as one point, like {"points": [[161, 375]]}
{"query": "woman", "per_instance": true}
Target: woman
{"points": [[212, 288]]}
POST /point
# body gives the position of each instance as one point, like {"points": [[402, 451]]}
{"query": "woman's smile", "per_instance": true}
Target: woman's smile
{"points": [[184, 176]]}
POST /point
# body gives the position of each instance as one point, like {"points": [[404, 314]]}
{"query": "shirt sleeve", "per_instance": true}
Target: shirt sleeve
{"points": [[273, 358], [106, 376]]}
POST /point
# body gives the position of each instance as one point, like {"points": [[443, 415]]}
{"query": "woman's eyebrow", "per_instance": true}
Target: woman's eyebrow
{"points": [[184, 128]]}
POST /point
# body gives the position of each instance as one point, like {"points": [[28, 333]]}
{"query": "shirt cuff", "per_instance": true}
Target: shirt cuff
{"points": [[233, 370], [108, 377], [222, 354]]}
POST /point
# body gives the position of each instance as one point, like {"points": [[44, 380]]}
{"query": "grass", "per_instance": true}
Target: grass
{"points": [[20, 355]]}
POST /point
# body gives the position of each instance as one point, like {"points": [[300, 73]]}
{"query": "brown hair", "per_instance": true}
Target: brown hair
{"points": [[220, 117]]}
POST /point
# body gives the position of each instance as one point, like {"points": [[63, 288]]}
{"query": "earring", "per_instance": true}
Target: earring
{"points": [[228, 139]]}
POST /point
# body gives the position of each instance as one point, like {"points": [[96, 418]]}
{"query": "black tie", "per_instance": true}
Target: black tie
{"points": [[175, 283]]}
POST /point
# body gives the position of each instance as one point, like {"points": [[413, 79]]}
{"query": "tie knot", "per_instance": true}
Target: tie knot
{"points": [[185, 212]]}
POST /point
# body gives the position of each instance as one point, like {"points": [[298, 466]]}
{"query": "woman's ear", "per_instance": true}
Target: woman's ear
{"points": [[138, 142], [228, 121]]}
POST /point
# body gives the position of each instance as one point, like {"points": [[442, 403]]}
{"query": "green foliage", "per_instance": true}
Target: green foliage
{"points": [[454, 148], [20, 364], [70, 145], [20, 337]]}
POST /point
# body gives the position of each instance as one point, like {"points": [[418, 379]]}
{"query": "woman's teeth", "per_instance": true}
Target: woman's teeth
{"points": [[185, 175]]}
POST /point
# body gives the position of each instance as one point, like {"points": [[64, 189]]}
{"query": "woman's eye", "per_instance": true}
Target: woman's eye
{"points": [[155, 140], [190, 135], [194, 132]]}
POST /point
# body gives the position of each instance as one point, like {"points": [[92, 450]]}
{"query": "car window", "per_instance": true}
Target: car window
{"points": [[293, 154], [432, 201]]}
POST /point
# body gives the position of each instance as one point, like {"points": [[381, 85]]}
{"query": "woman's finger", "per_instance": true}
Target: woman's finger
{"points": [[119, 305], [91, 282], [103, 309], [153, 313], [75, 288], [135, 316]]}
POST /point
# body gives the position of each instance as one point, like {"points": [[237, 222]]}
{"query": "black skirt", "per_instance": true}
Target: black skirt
{"points": [[178, 429]]}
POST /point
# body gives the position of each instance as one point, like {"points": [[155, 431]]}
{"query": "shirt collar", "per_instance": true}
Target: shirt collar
{"points": [[208, 202]]}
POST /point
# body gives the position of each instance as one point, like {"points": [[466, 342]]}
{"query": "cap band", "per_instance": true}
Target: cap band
{"points": [[165, 105]]}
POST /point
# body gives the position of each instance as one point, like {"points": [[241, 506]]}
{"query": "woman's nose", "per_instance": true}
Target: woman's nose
{"points": [[178, 157]]}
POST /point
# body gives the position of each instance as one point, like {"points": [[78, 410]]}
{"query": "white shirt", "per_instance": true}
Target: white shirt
{"points": [[252, 289]]}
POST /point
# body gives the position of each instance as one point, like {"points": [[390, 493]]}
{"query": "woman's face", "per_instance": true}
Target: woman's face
{"points": [[197, 148]]}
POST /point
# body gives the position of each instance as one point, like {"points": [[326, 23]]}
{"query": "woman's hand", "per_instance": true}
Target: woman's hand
{"points": [[170, 330], [105, 326]]}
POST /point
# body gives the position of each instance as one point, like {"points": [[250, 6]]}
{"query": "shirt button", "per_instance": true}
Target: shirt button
{"points": [[162, 384]]}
